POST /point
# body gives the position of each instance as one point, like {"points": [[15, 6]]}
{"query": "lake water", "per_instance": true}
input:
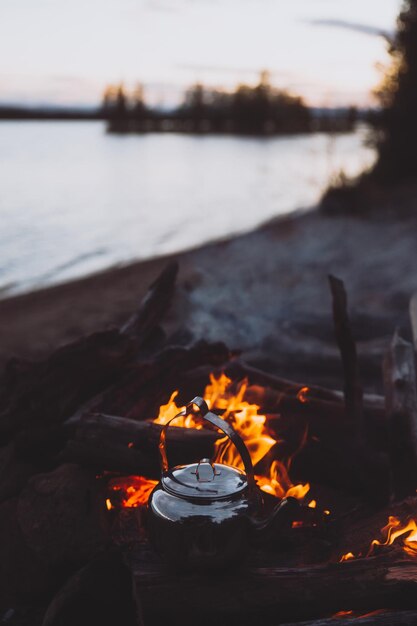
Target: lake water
{"points": [[74, 200]]}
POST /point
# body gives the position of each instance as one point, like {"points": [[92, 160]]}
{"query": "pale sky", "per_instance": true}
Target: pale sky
{"points": [[66, 51]]}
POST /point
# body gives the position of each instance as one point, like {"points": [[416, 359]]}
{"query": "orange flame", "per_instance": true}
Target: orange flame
{"points": [[246, 420], [129, 491], [394, 529]]}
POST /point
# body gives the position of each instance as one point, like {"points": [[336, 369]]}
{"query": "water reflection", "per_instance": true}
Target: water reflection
{"points": [[74, 199]]}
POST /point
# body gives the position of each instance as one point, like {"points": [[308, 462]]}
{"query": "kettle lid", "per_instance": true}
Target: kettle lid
{"points": [[204, 480]]}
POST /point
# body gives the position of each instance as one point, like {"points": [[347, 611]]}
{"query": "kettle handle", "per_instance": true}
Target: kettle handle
{"points": [[217, 421]]}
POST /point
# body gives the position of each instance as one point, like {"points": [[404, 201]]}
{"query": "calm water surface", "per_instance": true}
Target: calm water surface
{"points": [[74, 199]]}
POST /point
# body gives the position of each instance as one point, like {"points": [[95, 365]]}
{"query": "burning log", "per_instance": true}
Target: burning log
{"points": [[108, 442], [401, 405], [358, 532], [238, 369], [317, 412], [272, 594]]}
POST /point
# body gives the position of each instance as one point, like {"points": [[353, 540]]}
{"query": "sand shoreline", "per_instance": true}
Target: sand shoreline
{"points": [[35, 322], [264, 292]]}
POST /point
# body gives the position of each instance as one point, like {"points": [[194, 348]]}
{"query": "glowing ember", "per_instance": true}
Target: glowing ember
{"points": [[393, 531], [129, 491], [246, 420], [302, 395], [343, 613]]}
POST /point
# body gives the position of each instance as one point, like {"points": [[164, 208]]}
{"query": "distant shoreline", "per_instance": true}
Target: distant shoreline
{"points": [[317, 120]]}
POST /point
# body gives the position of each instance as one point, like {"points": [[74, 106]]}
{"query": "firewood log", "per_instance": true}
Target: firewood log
{"points": [[111, 443], [99, 593], [63, 517], [271, 595], [23, 574], [238, 369], [51, 390], [379, 617], [13, 472], [358, 530], [48, 391], [149, 384]]}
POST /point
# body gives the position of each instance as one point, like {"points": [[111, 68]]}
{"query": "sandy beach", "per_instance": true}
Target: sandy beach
{"points": [[265, 292]]}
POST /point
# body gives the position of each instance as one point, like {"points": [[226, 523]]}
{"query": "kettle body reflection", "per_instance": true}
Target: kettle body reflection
{"points": [[203, 515]]}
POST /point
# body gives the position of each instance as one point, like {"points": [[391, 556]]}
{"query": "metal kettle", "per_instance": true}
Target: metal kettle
{"points": [[204, 515]]}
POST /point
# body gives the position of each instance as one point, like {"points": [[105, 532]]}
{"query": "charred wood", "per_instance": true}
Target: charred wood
{"points": [[272, 595], [14, 472], [108, 442], [99, 593], [379, 617], [23, 575], [49, 391], [346, 465], [62, 516], [359, 529], [149, 384], [238, 369]]}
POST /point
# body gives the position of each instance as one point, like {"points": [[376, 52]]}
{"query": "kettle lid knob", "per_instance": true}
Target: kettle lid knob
{"points": [[205, 471]]}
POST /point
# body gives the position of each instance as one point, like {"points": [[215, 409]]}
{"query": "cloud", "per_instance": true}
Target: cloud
{"points": [[162, 7], [365, 29], [224, 69]]}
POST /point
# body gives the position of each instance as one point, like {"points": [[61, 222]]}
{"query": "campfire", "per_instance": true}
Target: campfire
{"points": [[80, 459], [228, 400]]}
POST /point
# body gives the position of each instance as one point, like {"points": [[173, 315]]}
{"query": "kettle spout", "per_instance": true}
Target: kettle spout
{"points": [[279, 519]]}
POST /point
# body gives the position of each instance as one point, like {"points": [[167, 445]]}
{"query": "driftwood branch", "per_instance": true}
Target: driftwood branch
{"points": [[413, 319], [153, 306], [401, 405], [353, 390]]}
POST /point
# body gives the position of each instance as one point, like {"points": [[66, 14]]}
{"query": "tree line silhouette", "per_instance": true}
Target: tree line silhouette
{"points": [[258, 110], [395, 133]]}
